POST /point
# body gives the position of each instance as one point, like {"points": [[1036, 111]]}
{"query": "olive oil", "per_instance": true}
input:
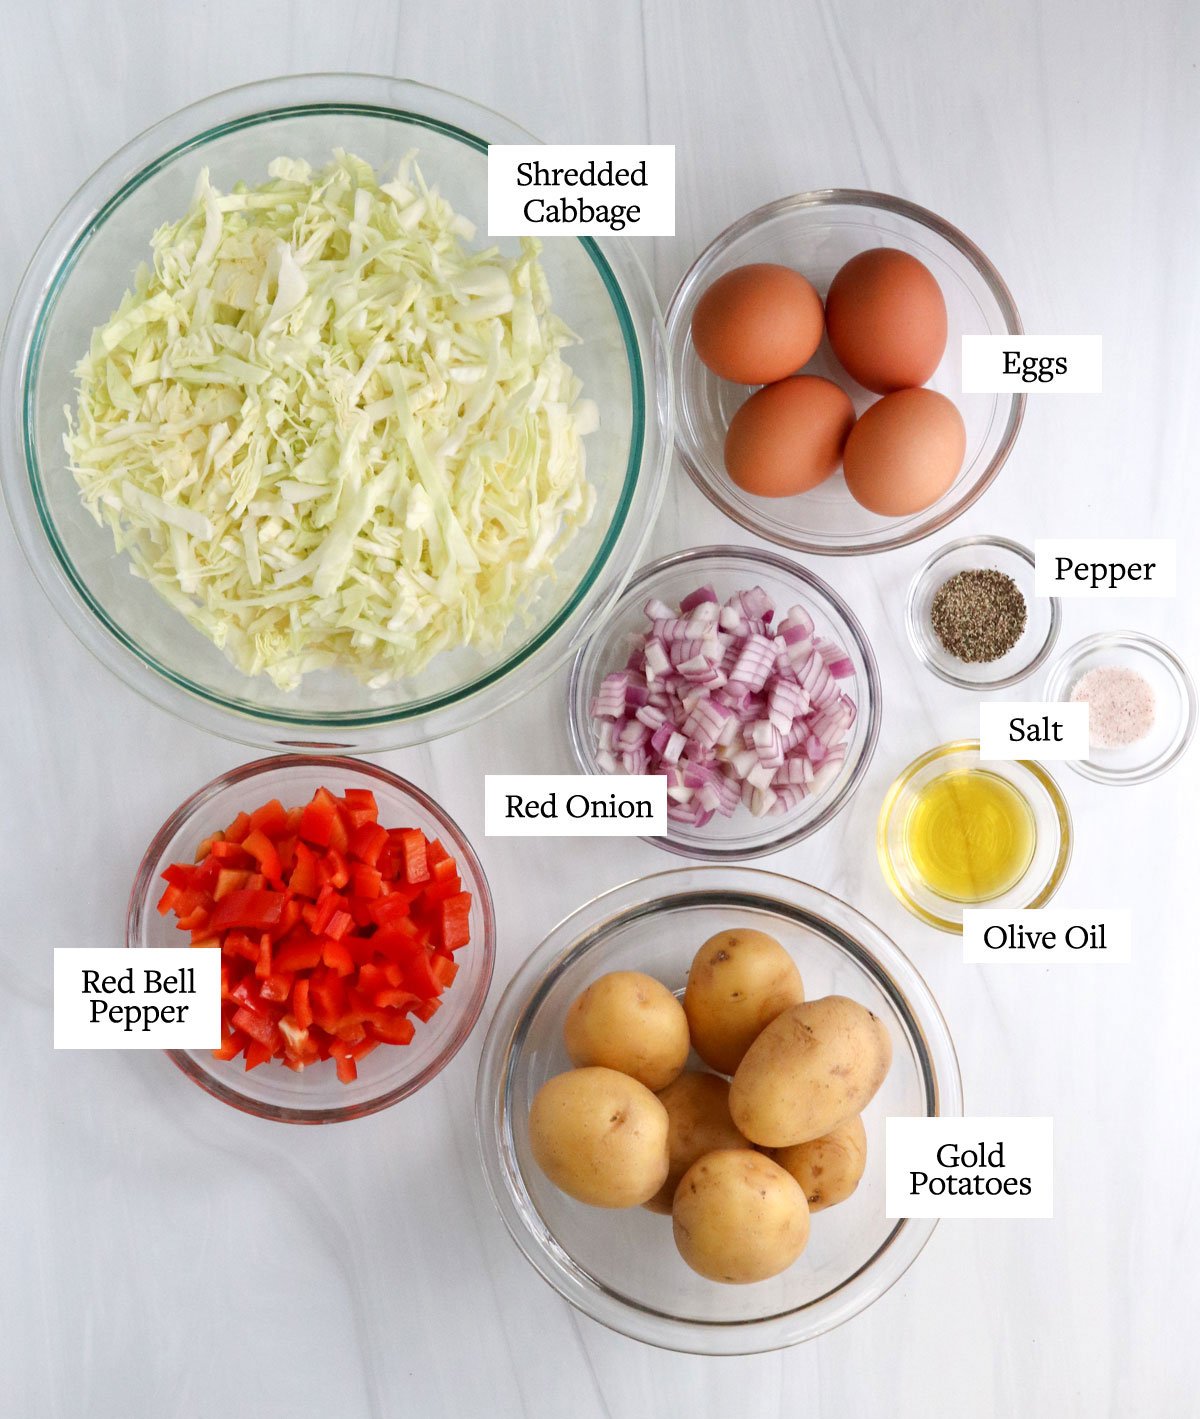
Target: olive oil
{"points": [[969, 835]]}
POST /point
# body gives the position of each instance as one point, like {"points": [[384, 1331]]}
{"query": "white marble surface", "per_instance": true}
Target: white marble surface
{"points": [[164, 1256]]}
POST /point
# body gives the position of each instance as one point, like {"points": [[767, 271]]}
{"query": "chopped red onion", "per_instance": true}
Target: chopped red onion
{"points": [[731, 711]]}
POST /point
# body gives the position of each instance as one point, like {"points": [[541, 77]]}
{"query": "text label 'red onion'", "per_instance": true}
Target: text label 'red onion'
{"points": [[581, 189], [574, 806]]}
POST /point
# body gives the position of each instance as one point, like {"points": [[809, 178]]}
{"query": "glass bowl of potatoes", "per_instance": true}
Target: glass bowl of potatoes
{"points": [[639, 1137]]}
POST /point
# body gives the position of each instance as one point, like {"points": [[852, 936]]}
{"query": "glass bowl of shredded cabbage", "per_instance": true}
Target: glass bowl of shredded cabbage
{"points": [[297, 450]]}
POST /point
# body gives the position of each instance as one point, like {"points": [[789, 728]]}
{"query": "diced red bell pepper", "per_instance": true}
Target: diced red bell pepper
{"points": [[419, 976], [414, 855], [266, 854], [257, 1053], [229, 1048], [335, 870], [339, 924], [362, 800], [300, 1006], [367, 842], [229, 879], [169, 899], [278, 986], [333, 929], [298, 955], [305, 879], [393, 1028], [258, 1027], [316, 823], [257, 910], [454, 922], [180, 874], [337, 957], [271, 819], [443, 968], [365, 883]]}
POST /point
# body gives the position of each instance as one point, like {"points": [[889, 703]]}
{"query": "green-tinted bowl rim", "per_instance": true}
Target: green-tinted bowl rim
{"points": [[413, 708]]}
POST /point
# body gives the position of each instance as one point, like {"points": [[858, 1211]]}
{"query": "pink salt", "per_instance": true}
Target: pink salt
{"points": [[1121, 705]]}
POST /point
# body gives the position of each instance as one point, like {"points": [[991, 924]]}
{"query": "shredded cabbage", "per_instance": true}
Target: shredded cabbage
{"points": [[329, 432]]}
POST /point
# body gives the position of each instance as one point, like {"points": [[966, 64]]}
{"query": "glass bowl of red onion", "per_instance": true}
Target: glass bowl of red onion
{"points": [[743, 678]]}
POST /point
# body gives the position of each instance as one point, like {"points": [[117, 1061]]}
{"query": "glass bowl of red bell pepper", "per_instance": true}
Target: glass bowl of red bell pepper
{"points": [[355, 925]]}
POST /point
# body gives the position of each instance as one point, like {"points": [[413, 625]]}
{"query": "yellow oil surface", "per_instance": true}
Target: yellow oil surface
{"points": [[969, 835]]}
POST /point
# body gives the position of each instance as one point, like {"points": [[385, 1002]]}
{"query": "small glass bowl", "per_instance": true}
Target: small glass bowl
{"points": [[726, 570], [75, 280], [621, 1267], [388, 1074], [1044, 614], [1174, 702], [817, 233], [1052, 834]]}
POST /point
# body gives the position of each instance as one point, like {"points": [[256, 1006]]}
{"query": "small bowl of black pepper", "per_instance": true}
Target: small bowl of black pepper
{"points": [[972, 616]]}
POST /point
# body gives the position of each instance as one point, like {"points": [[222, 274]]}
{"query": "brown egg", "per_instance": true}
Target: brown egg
{"points": [[887, 320], [788, 437], [757, 324], [904, 452]]}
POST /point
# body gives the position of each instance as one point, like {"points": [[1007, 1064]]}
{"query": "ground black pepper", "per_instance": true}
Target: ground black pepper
{"points": [[979, 615]]}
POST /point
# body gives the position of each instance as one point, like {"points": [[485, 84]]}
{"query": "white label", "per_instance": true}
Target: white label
{"points": [[1104, 566], [574, 805], [590, 189], [109, 997], [1031, 364], [1045, 937], [969, 1167], [1032, 729]]}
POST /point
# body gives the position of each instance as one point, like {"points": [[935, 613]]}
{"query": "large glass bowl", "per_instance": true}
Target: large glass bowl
{"points": [[621, 1267], [388, 1074], [726, 570], [817, 233], [88, 259]]}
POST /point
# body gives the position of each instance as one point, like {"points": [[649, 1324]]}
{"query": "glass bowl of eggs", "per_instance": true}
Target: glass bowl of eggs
{"points": [[815, 348]]}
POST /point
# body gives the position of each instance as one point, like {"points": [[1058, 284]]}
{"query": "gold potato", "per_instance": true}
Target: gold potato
{"points": [[631, 1022], [828, 1168], [813, 1068], [739, 1217], [600, 1136], [697, 1108], [739, 982]]}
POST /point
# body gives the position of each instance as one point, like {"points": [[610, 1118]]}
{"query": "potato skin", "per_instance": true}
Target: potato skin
{"points": [[813, 1068], [600, 1136], [828, 1168], [739, 982], [697, 1108], [739, 1217], [630, 1022]]}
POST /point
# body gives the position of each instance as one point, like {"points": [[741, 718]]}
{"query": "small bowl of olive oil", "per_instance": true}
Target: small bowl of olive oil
{"points": [[955, 832]]}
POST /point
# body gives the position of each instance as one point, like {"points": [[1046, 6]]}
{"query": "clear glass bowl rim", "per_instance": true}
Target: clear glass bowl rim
{"points": [[942, 671], [869, 945], [897, 206], [578, 696], [1062, 812], [232, 109], [141, 901], [1056, 685]]}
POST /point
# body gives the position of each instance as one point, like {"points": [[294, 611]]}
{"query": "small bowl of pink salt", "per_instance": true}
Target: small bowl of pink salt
{"points": [[1141, 702]]}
